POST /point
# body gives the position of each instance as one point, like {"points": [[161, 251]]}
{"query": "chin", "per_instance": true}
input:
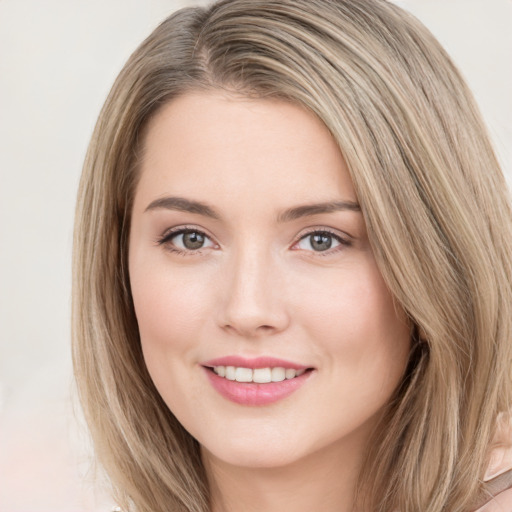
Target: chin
{"points": [[254, 454]]}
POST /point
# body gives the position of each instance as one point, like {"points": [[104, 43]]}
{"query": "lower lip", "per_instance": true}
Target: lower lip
{"points": [[251, 393]]}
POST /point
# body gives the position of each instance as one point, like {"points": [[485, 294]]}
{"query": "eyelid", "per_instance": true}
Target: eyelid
{"points": [[324, 229], [168, 234], [344, 239]]}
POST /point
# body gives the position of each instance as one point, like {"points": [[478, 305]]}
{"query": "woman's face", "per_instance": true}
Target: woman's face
{"points": [[249, 260]]}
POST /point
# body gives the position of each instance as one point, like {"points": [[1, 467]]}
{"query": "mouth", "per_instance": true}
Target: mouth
{"points": [[257, 375], [259, 381]]}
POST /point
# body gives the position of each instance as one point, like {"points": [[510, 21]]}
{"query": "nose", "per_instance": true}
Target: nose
{"points": [[253, 302]]}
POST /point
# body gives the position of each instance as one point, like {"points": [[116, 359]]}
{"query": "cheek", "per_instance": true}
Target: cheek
{"points": [[355, 320], [170, 315], [170, 307]]}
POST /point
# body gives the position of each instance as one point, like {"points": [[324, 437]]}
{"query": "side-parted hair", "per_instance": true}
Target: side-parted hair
{"points": [[436, 208]]}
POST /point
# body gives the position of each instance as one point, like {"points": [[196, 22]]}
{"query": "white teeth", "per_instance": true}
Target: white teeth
{"points": [[278, 374], [290, 373], [243, 375], [258, 375], [262, 375]]}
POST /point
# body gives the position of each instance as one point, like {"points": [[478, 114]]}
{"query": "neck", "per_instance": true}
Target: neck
{"points": [[324, 481]]}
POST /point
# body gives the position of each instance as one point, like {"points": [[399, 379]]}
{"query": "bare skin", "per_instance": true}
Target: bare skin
{"points": [[228, 257]]}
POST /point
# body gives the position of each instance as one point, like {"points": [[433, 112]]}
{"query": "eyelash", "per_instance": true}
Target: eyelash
{"points": [[343, 242], [169, 235]]}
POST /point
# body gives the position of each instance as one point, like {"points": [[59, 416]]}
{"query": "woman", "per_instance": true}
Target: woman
{"points": [[292, 269]]}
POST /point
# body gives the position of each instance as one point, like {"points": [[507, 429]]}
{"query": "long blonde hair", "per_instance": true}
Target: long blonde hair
{"points": [[436, 209]]}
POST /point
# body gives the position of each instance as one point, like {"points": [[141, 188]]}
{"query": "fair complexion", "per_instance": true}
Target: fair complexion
{"points": [[247, 241]]}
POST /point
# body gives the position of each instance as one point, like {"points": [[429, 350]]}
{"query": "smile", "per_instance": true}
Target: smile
{"points": [[258, 375], [256, 382]]}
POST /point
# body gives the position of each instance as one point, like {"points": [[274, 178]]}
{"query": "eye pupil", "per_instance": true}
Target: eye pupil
{"points": [[321, 242], [193, 240]]}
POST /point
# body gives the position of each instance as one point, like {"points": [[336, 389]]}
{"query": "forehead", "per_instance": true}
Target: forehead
{"points": [[231, 146]]}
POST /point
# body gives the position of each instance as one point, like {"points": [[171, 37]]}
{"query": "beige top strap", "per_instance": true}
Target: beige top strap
{"points": [[497, 492]]}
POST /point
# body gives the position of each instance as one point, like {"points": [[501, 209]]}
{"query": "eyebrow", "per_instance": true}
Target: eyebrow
{"points": [[316, 209], [297, 212], [183, 205]]}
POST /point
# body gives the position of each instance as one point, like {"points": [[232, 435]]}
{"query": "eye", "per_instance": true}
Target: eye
{"points": [[320, 241], [186, 240]]}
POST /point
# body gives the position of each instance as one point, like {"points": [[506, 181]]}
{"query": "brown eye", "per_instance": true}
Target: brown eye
{"points": [[193, 240]]}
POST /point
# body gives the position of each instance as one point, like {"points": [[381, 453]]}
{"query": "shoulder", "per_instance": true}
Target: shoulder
{"points": [[500, 503], [498, 477]]}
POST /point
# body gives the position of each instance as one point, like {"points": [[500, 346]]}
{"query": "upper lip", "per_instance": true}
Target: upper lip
{"points": [[257, 362]]}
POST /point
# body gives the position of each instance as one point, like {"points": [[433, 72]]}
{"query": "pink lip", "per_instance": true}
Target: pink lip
{"points": [[251, 393], [257, 362]]}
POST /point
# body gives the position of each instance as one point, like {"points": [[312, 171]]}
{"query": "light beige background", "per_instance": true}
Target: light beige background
{"points": [[58, 59]]}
